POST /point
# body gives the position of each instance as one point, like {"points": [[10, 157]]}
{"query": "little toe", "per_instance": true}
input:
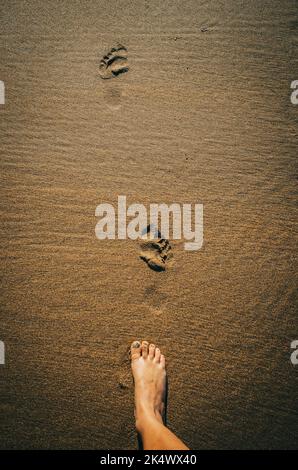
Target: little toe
{"points": [[157, 355]]}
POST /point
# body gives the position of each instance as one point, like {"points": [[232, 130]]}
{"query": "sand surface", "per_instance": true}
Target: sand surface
{"points": [[202, 116]]}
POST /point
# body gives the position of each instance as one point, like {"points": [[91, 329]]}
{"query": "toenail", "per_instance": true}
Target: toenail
{"points": [[136, 344], [151, 345]]}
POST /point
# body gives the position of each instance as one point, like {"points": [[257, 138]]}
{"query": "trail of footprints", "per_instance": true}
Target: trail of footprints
{"points": [[114, 63], [155, 250]]}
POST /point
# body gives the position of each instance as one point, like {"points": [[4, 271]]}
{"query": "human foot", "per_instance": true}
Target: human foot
{"points": [[148, 370]]}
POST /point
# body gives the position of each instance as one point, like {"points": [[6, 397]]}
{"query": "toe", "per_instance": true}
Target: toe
{"points": [[157, 355], [135, 350], [144, 348], [163, 361], [151, 351]]}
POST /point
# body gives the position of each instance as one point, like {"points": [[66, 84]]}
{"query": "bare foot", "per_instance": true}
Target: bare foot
{"points": [[148, 370]]}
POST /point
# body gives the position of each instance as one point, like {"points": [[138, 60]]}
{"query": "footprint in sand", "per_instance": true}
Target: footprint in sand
{"points": [[155, 250], [114, 63], [112, 97], [124, 377]]}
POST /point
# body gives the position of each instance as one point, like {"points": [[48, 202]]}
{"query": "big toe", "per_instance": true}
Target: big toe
{"points": [[135, 350]]}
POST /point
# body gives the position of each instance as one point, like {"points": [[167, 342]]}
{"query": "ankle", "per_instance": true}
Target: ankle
{"points": [[145, 417]]}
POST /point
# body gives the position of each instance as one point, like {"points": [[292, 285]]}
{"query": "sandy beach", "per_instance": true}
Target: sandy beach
{"points": [[201, 115]]}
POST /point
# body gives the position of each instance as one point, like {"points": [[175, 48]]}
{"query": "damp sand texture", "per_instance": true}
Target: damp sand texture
{"points": [[202, 115]]}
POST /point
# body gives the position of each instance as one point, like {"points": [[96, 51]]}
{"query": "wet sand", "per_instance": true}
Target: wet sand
{"points": [[202, 116]]}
